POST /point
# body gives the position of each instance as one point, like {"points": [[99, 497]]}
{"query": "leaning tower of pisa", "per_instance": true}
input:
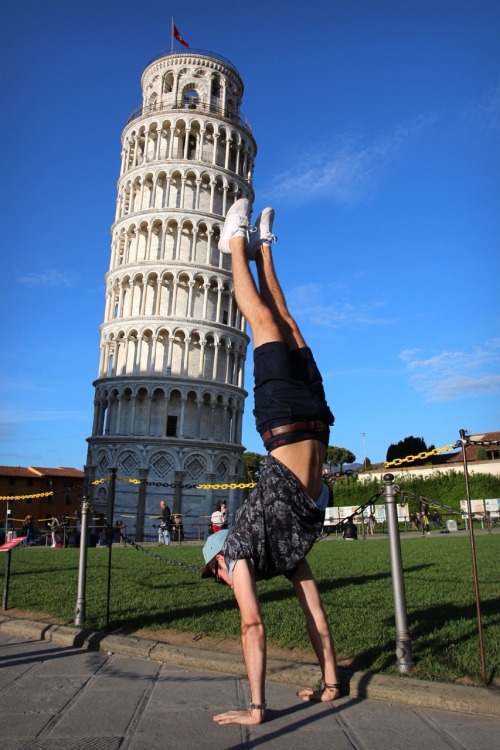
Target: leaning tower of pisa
{"points": [[169, 396]]}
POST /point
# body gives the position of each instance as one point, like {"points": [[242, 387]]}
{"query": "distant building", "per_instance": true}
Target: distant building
{"points": [[65, 484], [490, 448], [481, 459]]}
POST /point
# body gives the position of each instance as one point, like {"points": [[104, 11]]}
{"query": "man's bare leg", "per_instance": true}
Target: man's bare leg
{"points": [[304, 459], [272, 295], [319, 633], [258, 314]]}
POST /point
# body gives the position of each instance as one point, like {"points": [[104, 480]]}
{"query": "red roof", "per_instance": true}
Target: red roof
{"points": [[31, 472], [17, 471], [471, 450], [61, 471]]}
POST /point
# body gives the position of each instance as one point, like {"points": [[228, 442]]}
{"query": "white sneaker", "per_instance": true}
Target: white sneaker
{"points": [[261, 234], [236, 224]]}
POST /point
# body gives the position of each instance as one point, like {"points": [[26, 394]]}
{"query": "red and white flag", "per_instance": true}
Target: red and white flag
{"points": [[178, 36]]}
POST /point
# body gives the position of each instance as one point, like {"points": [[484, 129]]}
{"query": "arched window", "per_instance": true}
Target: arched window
{"points": [[168, 83], [216, 90], [191, 98]]}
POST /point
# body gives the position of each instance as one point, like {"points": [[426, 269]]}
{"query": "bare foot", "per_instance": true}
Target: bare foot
{"points": [[323, 695], [248, 717]]}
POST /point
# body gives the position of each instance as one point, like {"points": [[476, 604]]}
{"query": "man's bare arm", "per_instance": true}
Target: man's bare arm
{"points": [[253, 638]]}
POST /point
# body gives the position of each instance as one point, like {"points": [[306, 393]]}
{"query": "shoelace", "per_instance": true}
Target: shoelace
{"points": [[269, 237], [245, 224]]}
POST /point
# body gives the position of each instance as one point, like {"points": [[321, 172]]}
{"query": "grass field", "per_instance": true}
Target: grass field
{"points": [[354, 579]]}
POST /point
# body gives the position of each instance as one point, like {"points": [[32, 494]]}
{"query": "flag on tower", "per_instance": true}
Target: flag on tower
{"points": [[178, 36]]}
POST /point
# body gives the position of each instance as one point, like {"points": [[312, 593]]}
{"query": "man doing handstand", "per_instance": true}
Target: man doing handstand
{"points": [[283, 516]]}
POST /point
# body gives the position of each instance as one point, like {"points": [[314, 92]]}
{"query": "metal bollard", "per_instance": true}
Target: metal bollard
{"points": [[403, 641], [82, 567]]}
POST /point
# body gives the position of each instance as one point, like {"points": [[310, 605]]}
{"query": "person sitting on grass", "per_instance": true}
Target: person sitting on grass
{"points": [[283, 516]]}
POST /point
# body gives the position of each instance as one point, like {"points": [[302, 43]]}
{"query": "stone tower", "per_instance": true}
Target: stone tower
{"points": [[169, 397]]}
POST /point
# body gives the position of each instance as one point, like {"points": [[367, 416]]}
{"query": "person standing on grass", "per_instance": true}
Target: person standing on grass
{"points": [[218, 518], [54, 529], [164, 525], [28, 529], [283, 516]]}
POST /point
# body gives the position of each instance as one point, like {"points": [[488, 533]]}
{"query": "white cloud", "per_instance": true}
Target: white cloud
{"points": [[483, 112], [27, 416], [311, 302], [488, 108], [455, 374], [51, 277], [344, 171]]}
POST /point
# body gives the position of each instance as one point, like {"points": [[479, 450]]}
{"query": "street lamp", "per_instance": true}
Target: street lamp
{"points": [[364, 451]]}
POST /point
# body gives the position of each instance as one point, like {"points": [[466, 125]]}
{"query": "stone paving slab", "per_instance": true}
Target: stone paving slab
{"points": [[58, 696], [402, 690]]}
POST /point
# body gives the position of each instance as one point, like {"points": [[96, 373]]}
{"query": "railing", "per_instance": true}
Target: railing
{"points": [[189, 104], [196, 53]]}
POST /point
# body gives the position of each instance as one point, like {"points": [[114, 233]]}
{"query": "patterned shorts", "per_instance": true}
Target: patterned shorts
{"points": [[277, 526]]}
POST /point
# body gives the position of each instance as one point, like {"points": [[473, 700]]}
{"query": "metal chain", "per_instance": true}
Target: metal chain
{"points": [[249, 485], [44, 534], [437, 451], [448, 508], [423, 454], [478, 442], [162, 559], [359, 511]]}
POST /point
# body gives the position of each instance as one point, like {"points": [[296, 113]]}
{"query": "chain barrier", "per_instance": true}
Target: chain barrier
{"points": [[162, 559], [436, 451], [27, 497], [52, 493], [447, 508], [484, 443], [168, 485], [250, 485], [423, 454], [44, 535], [435, 504], [358, 512], [131, 480]]}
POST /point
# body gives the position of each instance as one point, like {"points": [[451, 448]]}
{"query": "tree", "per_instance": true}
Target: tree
{"points": [[251, 462], [410, 446], [339, 456]]}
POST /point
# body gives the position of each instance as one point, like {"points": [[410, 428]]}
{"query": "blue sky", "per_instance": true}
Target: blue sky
{"points": [[378, 131]]}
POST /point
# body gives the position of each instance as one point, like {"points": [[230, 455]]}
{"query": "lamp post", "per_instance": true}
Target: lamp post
{"points": [[364, 451]]}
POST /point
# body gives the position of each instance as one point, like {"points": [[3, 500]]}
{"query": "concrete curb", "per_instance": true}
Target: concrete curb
{"points": [[401, 690]]}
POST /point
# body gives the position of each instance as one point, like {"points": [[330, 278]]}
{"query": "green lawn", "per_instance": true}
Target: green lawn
{"points": [[354, 579]]}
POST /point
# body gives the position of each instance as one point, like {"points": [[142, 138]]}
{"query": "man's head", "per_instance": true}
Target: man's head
{"points": [[214, 559], [214, 544], [162, 503]]}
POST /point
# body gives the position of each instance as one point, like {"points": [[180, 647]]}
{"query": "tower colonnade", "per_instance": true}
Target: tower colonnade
{"points": [[149, 237], [177, 292], [128, 409], [169, 397], [193, 354], [188, 139], [193, 189]]}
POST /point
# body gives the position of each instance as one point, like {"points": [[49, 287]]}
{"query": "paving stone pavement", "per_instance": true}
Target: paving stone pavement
{"points": [[59, 696]]}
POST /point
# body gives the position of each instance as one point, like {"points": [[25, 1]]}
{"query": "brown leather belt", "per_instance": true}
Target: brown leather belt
{"points": [[314, 425]]}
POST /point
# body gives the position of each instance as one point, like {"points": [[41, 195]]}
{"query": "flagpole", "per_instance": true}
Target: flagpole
{"points": [[172, 36]]}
